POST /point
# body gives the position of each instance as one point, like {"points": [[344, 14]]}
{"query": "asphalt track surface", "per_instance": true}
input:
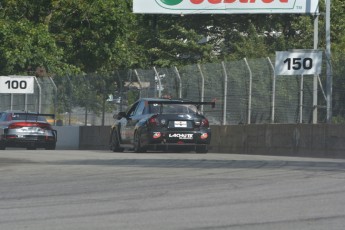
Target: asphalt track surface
{"points": [[99, 190]]}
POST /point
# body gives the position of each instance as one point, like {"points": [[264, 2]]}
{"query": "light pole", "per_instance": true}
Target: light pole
{"points": [[328, 59]]}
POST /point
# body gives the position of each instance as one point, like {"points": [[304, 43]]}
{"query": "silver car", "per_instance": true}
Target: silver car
{"points": [[28, 130]]}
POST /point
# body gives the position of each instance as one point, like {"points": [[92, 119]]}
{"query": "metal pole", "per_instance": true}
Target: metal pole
{"points": [[39, 96], [315, 78], [159, 83], [55, 99], [225, 92], [70, 101], [121, 88], [87, 100], [26, 103], [202, 87], [328, 58], [11, 98], [180, 83], [301, 101], [138, 78], [273, 91], [250, 92]]}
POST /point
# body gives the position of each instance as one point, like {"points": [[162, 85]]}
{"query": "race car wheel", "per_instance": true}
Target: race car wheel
{"points": [[137, 144], [2, 146], [115, 143], [31, 147], [50, 146], [201, 149]]}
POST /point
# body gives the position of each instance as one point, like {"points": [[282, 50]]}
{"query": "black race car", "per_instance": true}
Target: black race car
{"points": [[29, 130], [161, 124]]}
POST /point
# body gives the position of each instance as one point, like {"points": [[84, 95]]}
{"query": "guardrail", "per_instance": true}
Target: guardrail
{"points": [[301, 140]]}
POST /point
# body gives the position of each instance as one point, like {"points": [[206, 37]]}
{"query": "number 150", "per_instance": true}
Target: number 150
{"points": [[298, 63]]}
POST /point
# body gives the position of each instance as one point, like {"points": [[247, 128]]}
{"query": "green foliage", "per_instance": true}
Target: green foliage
{"points": [[70, 37], [96, 35], [171, 42], [25, 46], [103, 35]]}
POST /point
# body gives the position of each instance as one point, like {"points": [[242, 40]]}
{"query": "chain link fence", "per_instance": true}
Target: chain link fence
{"points": [[245, 91], [42, 101]]}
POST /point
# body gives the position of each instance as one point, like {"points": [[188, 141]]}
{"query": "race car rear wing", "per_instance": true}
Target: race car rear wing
{"points": [[198, 104], [32, 116]]}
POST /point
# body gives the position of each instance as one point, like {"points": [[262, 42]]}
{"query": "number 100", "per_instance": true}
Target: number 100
{"points": [[16, 84]]}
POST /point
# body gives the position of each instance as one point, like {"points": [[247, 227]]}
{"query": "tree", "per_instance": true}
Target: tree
{"points": [[25, 46], [26, 43], [97, 35], [170, 42]]}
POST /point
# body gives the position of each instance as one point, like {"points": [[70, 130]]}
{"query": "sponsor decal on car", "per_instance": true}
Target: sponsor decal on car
{"points": [[156, 135], [181, 136]]}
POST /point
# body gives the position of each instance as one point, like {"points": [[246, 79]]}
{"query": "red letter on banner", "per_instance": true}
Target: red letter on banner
{"points": [[196, 1], [214, 1]]}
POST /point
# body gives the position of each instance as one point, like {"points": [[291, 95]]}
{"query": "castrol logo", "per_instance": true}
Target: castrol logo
{"points": [[198, 2], [226, 6], [171, 2]]}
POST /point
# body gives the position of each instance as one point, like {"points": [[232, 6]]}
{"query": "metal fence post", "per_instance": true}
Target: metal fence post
{"points": [[159, 83], [273, 91], [202, 87], [55, 98], [180, 83], [316, 77], [39, 95], [11, 98], [121, 87], [70, 100], [26, 102], [301, 100], [138, 78], [225, 93], [86, 103], [250, 92], [329, 71]]}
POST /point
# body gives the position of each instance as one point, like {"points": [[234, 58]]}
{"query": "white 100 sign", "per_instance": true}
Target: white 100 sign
{"points": [[14, 84], [299, 63]]}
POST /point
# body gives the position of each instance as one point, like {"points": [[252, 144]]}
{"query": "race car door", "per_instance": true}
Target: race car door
{"points": [[132, 118]]}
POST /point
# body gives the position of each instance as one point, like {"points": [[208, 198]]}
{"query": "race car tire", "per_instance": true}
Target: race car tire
{"points": [[201, 149], [50, 146], [31, 148], [2, 145], [137, 144], [115, 143]]}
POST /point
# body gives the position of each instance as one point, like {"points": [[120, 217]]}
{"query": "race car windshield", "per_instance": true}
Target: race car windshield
{"points": [[172, 108]]}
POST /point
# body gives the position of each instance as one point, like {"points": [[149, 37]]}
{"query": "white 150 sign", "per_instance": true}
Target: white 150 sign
{"points": [[17, 84], [298, 62]]}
